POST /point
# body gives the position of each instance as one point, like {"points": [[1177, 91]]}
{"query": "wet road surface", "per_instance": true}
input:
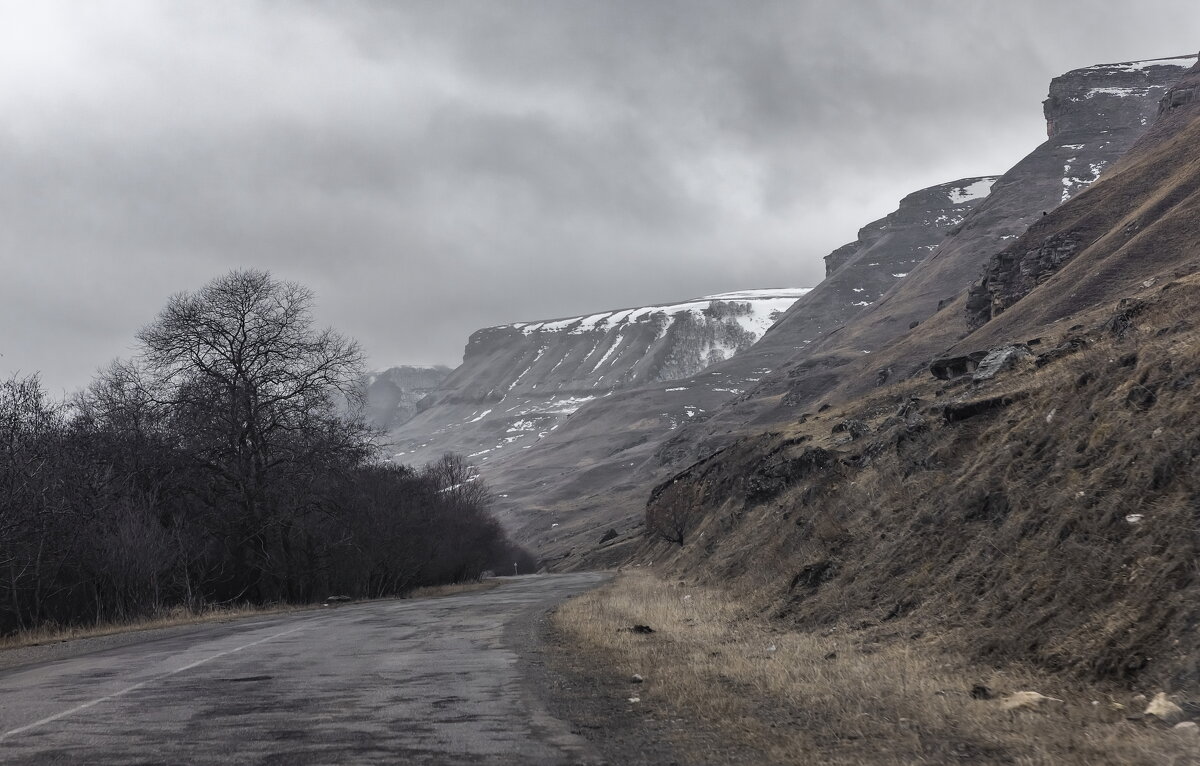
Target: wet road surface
{"points": [[427, 681]]}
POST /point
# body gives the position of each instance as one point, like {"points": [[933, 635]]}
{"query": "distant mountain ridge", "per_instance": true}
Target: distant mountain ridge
{"points": [[518, 382], [621, 440]]}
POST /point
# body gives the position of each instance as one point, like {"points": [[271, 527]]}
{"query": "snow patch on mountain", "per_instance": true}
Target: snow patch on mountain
{"points": [[977, 190], [764, 304], [1183, 62]]}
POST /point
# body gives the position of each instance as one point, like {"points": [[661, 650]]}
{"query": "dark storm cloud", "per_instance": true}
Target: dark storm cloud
{"points": [[433, 167]]}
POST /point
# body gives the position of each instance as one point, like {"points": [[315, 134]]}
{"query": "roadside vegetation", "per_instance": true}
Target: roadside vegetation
{"points": [[225, 464], [870, 583], [835, 695], [1045, 516]]}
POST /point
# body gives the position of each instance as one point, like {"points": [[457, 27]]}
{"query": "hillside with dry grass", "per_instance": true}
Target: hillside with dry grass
{"points": [[1042, 510], [1047, 515], [1020, 515], [890, 581]]}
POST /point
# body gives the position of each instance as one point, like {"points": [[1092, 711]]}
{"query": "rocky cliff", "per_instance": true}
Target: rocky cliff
{"points": [[1128, 95], [519, 382], [1124, 239], [600, 464]]}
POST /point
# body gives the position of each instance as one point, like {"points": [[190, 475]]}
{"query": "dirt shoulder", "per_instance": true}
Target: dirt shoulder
{"points": [[579, 686], [725, 685]]}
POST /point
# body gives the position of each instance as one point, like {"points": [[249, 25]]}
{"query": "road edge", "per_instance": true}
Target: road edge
{"points": [[592, 704]]}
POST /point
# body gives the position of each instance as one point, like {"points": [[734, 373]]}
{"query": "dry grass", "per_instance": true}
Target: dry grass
{"points": [[803, 697], [437, 591], [52, 634], [1061, 530]]}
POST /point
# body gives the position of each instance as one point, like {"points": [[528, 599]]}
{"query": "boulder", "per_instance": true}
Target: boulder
{"points": [[1164, 709], [999, 359], [950, 367]]}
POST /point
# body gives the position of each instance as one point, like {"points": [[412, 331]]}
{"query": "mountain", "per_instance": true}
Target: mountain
{"points": [[394, 394], [593, 472], [1093, 116], [1065, 265], [1039, 510], [595, 469], [519, 382]]}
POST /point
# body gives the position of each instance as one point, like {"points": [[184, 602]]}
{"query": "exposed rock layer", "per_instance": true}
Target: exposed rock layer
{"points": [[1126, 96]]}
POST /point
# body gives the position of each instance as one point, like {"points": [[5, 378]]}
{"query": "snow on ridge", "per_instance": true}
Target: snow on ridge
{"points": [[1121, 92], [750, 295], [764, 304], [976, 190], [1185, 62]]}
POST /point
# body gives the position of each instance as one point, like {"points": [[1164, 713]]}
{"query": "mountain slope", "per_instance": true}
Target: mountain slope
{"points": [[595, 468], [519, 382], [593, 472], [1042, 514]]}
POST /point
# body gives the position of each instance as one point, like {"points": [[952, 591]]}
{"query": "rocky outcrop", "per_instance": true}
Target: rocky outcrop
{"points": [[1125, 92], [1012, 273], [520, 382], [1106, 251], [394, 394], [858, 274], [1125, 97]]}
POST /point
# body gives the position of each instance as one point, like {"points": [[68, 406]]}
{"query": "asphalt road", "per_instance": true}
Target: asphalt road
{"points": [[396, 682]]}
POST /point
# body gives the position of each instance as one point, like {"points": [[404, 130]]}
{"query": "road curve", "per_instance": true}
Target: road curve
{"points": [[397, 682]]}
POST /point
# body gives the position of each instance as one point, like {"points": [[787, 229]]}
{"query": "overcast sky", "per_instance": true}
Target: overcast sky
{"points": [[429, 168]]}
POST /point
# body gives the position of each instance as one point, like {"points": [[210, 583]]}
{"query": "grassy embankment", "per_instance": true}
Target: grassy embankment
{"points": [[827, 697]]}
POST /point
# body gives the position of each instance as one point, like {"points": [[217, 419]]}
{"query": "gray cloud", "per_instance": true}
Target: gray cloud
{"points": [[433, 167]]}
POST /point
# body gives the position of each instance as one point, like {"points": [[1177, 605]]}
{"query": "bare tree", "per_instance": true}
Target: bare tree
{"points": [[671, 513], [254, 391], [222, 464]]}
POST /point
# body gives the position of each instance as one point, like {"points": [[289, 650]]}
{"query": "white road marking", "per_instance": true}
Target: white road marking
{"points": [[140, 684]]}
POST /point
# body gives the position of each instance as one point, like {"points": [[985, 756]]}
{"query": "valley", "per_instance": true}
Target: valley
{"points": [[604, 382], [980, 474]]}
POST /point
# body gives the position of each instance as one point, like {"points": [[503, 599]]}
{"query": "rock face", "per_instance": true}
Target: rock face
{"points": [[1125, 98], [1132, 234], [860, 273], [519, 382], [1119, 92], [394, 394], [596, 468]]}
